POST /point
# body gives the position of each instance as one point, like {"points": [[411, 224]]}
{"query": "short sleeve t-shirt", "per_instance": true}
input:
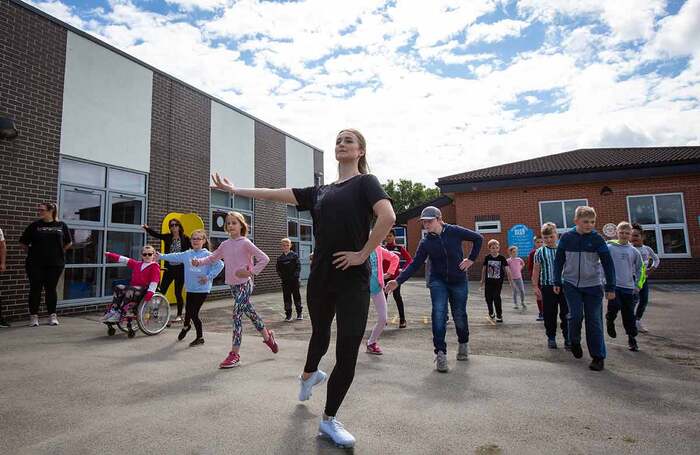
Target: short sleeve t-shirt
{"points": [[46, 242], [545, 258], [342, 214], [495, 268], [516, 267]]}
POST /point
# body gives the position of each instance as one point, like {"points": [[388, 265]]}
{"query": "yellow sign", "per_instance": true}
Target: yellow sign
{"points": [[190, 222]]}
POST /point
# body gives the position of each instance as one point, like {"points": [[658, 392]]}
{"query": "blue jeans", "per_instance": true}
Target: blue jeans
{"points": [[456, 293], [642, 299], [588, 303]]}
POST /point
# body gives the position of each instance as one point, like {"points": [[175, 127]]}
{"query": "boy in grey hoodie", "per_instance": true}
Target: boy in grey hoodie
{"points": [[628, 273]]}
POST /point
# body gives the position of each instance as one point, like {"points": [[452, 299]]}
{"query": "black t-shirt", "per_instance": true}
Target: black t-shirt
{"points": [[46, 242], [342, 214], [495, 268]]}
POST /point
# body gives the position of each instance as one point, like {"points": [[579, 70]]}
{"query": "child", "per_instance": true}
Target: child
{"points": [[404, 261], [376, 290], [516, 265], [145, 276], [628, 272], [238, 253], [493, 273], [198, 281], [650, 262], [288, 269], [580, 253], [530, 263], [543, 283]]}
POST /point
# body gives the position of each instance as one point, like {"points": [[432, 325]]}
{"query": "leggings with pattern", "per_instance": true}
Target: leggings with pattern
{"points": [[242, 305]]}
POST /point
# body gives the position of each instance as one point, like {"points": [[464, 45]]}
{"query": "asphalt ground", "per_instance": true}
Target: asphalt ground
{"points": [[72, 389]]}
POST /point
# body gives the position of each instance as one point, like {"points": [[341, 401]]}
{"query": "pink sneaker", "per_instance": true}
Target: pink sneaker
{"points": [[374, 349], [271, 343], [231, 361]]}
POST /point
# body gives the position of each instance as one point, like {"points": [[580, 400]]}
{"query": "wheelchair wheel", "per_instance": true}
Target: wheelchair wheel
{"points": [[153, 316]]}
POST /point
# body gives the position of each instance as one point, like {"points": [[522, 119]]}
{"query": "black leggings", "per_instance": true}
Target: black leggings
{"points": [[399, 302], [174, 273], [492, 292], [351, 309], [46, 278], [195, 300], [552, 304], [289, 290]]}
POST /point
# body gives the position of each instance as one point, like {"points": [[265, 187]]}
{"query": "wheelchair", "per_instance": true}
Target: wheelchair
{"points": [[150, 317]]}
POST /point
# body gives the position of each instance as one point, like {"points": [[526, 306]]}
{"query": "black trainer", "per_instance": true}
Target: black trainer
{"points": [[633, 344], [611, 328], [183, 333], [4, 324], [597, 364], [197, 342], [576, 350]]}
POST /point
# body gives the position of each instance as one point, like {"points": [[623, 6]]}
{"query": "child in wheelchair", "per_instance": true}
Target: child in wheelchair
{"points": [[145, 276]]}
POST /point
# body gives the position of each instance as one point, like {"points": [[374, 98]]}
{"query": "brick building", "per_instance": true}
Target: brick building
{"points": [[119, 143], [658, 187]]}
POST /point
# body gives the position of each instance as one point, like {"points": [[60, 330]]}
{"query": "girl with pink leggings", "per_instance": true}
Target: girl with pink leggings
{"points": [[376, 289]]}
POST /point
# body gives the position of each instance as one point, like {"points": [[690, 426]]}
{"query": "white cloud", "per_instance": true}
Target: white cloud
{"points": [[679, 35], [498, 31]]}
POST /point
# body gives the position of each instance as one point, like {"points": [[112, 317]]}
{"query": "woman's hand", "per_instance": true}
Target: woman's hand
{"points": [[345, 259], [391, 286], [222, 183], [144, 226], [387, 276], [243, 273], [465, 264]]}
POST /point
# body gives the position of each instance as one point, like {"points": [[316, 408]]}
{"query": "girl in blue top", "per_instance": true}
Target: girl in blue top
{"points": [[198, 281]]}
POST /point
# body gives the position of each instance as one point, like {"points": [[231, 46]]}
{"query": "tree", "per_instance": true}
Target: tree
{"points": [[406, 194]]}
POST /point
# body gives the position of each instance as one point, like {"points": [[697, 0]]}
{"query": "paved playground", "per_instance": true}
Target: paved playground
{"points": [[71, 389]]}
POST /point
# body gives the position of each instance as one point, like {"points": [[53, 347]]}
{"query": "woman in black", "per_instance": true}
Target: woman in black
{"points": [[175, 242], [339, 280], [45, 241]]}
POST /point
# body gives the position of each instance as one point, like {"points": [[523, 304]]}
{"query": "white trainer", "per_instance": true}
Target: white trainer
{"points": [[53, 319], [112, 316], [640, 327], [33, 320], [305, 386], [463, 352], [334, 430]]}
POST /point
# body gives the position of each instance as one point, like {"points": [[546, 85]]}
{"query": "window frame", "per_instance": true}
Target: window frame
{"points": [[658, 228], [223, 235], [560, 229], [488, 231]]}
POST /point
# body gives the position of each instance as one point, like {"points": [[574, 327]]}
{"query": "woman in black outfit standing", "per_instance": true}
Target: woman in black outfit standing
{"points": [[339, 281], [175, 242], [45, 241]]}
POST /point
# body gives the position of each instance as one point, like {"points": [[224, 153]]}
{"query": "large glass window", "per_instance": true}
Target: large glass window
{"points": [[221, 203], [560, 213], [663, 218], [104, 208]]}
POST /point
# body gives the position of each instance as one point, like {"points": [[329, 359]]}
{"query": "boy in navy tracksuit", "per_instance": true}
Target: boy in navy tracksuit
{"points": [[580, 254], [448, 278], [288, 269]]}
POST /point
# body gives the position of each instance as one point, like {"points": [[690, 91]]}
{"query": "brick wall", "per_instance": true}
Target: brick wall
{"points": [[33, 54], [270, 217]]}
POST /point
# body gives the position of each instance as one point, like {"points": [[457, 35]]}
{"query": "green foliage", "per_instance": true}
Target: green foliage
{"points": [[407, 194]]}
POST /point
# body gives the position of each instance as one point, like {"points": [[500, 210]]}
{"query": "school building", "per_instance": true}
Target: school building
{"points": [[657, 187], [119, 143]]}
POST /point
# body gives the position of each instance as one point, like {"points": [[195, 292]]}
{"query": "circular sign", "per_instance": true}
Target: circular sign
{"points": [[610, 230]]}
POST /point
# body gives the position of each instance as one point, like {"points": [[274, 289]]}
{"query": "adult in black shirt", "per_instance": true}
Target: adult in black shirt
{"points": [[339, 280], [175, 242], [46, 241]]}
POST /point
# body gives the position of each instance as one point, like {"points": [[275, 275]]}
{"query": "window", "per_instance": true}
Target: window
{"points": [[221, 203], [560, 213], [104, 208], [663, 218], [488, 227], [300, 232], [400, 235]]}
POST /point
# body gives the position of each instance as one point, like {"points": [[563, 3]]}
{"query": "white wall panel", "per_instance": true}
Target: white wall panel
{"points": [[233, 145], [107, 102], [300, 164]]}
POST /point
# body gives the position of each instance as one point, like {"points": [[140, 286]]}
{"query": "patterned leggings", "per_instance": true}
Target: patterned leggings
{"points": [[126, 295], [243, 305]]}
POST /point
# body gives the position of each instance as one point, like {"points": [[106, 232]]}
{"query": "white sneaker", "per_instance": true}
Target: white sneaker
{"points": [[334, 430], [463, 352], [316, 378], [112, 316], [53, 320], [33, 320], [640, 327]]}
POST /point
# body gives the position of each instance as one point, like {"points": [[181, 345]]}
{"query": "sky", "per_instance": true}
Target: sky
{"points": [[437, 87]]}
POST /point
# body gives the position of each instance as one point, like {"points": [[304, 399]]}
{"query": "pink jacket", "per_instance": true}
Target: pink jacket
{"points": [[238, 254], [143, 274], [385, 255]]}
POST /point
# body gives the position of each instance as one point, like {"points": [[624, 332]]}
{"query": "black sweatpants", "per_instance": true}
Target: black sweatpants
{"points": [[624, 303], [195, 300], [176, 273], [350, 307], [46, 278], [399, 302], [552, 304], [290, 289], [492, 292]]}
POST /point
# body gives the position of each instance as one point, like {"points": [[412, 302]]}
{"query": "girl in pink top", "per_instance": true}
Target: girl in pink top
{"points": [[237, 253], [376, 289], [516, 265]]}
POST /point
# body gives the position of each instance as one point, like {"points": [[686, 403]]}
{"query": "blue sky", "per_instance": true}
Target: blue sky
{"points": [[438, 87]]}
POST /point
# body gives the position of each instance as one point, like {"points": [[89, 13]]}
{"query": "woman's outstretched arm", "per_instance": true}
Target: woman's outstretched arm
{"points": [[285, 195]]}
